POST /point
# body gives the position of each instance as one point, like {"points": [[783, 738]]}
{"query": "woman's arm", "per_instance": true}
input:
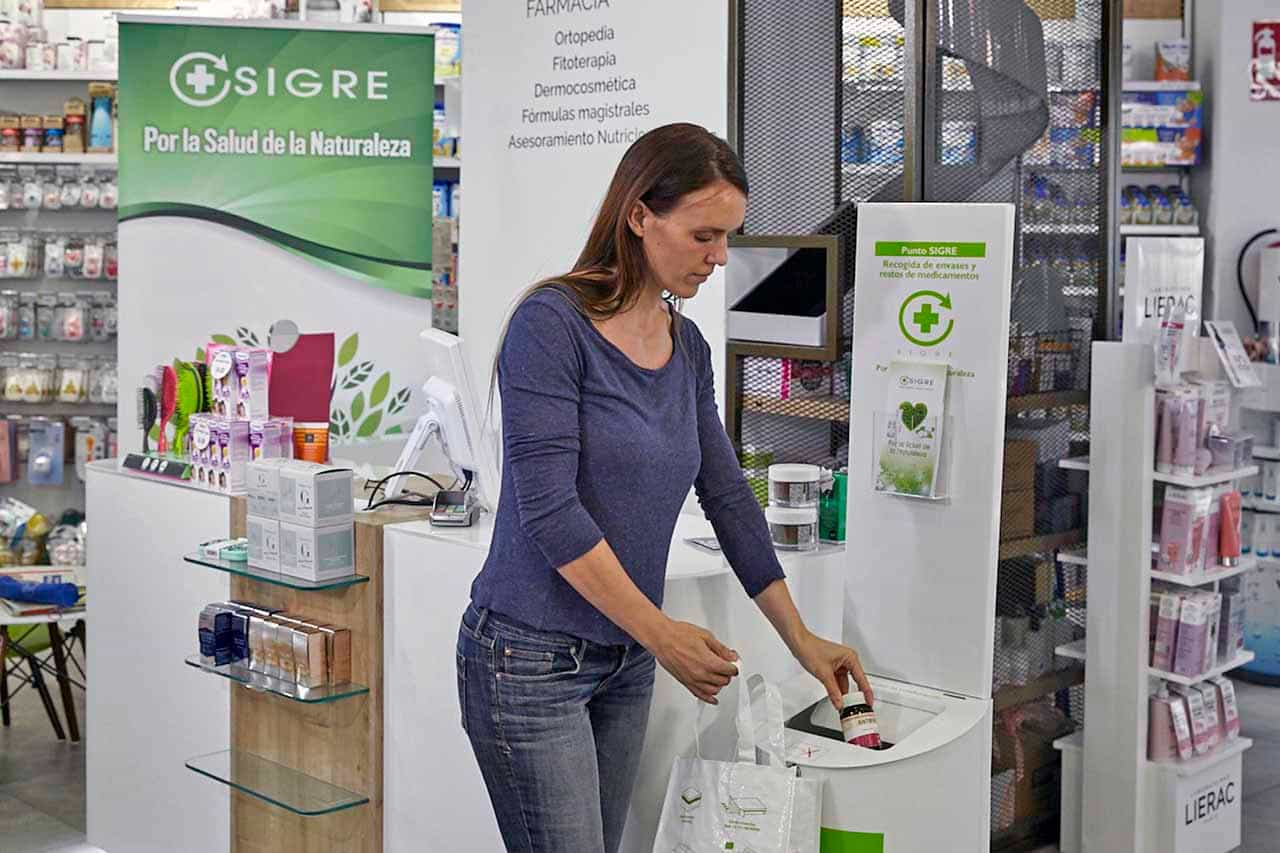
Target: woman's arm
{"points": [[832, 664], [691, 654]]}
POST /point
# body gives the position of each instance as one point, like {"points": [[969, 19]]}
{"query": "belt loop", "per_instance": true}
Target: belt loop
{"points": [[484, 617]]}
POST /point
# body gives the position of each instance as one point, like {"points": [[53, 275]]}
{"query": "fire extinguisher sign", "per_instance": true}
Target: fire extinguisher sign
{"points": [[1264, 69]]}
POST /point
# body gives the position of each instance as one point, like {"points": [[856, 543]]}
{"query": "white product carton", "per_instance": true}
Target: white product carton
{"points": [[263, 484], [317, 553], [264, 543], [314, 495]]}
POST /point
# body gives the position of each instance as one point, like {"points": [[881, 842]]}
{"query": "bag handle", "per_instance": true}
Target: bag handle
{"points": [[750, 689]]}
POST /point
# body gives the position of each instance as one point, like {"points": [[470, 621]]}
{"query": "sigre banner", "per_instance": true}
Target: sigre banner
{"points": [[279, 171], [318, 141]]}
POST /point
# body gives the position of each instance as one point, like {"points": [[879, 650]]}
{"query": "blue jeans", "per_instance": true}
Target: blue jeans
{"points": [[557, 724]]}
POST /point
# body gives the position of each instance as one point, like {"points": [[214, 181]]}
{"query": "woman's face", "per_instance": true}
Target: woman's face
{"points": [[685, 246]]}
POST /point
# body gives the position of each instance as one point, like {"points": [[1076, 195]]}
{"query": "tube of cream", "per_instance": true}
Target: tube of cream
{"points": [[1203, 500], [1164, 442], [1184, 436], [1229, 530], [1213, 531], [1162, 743]]}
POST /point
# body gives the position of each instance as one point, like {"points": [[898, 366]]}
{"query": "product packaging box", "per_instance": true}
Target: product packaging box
{"points": [[75, 112], [239, 381], [315, 495], [271, 439], [1192, 628], [1231, 627], [280, 663], [10, 142], [317, 553], [1213, 613], [264, 543], [258, 643], [216, 646], [1199, 718], [262, 483], [1228, 710], [337, 653], [1209, 695], [309, 656], [219, 453], [1019, 466], [1017, 514], [1166, 628]]}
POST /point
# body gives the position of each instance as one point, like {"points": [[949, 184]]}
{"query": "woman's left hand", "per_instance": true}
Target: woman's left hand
{"points": [[833, 664]]}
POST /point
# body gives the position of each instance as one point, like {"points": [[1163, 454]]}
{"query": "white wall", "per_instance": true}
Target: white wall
{"points": [[528, 212], [1238, 184]]}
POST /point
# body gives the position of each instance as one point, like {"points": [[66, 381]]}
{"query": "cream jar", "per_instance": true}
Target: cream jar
{"points": [[793, 528], [794, 485]]}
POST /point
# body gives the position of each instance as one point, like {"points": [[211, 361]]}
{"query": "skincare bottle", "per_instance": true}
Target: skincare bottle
{"points": [[1246, 532], [1229, 533], [1261, 535]]}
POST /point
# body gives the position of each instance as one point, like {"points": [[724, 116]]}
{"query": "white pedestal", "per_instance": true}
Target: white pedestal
{"points": [[433, 787], [147, 713]]}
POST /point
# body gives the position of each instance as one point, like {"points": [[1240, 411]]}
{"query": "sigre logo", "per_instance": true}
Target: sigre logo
{"points": [[202, 79], [915, 382]]}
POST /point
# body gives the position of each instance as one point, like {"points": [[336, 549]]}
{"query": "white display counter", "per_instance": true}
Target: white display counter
{"points": [[147, 713], [432, 785]]}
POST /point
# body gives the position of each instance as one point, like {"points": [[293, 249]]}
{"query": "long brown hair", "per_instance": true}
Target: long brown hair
{"points": [[659, 169]]}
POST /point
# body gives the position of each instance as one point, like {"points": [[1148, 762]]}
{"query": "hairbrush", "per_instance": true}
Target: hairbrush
{"points": [[168, 401], [148, 410]]}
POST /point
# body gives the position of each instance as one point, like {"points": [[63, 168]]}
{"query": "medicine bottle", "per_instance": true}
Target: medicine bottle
{"points": [[858, 722]]}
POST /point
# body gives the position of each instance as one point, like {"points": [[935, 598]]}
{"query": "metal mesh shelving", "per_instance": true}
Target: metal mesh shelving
{"points": [[936, 100]]}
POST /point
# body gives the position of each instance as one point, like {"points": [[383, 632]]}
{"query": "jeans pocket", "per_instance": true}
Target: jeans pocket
{"points": [[525, 660], [462, 688]]}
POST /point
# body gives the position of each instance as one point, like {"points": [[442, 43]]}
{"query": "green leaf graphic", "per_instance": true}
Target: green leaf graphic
{"points": [[398, 402], [348, 350], [380, 389], [913, 416], [358, 375], [223, 339], [339, 423], [395, 430], [370, 425], [247, 337], [357, 406]]}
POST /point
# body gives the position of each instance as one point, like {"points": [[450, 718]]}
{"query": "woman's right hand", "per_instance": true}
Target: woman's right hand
{"points": [[696, 659]]}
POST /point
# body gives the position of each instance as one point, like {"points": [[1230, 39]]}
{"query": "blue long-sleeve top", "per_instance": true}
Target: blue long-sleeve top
{"points": [[596, 447]]}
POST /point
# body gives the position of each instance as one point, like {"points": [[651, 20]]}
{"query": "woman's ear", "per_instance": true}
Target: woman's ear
{"points": [[637, 218]]}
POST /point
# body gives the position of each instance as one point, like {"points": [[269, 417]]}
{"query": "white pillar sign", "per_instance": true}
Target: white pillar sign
{"points": [[931, 309], [556, 91]]}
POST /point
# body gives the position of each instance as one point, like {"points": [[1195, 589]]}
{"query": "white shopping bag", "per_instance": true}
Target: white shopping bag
{"points": [[742, 805]]}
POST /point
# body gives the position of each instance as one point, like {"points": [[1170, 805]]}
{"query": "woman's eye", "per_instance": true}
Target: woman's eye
{"points": [[703, 238]]}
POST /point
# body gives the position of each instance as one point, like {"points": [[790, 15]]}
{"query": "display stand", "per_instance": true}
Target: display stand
{"points": [[306, 766], [1127, 802]]}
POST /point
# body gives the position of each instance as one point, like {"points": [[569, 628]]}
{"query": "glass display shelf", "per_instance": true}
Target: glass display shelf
{"points": [[274, 783], [275, 578], [240, 673]]}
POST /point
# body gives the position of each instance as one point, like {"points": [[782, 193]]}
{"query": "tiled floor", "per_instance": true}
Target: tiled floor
{"points": [[42, 779]]}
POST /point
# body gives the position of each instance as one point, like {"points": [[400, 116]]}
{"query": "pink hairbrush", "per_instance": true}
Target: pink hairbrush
{"points": [[168, 403]]}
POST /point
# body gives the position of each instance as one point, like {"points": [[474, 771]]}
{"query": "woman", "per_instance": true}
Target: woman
{"points": [[609, 415]]}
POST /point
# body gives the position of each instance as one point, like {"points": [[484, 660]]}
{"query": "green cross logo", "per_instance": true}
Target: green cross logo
{"points": [[928, 324], [926, 318]]}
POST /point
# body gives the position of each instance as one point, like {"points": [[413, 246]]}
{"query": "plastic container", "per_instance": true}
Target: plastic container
{"points": [[793, 528], [794, 485]]}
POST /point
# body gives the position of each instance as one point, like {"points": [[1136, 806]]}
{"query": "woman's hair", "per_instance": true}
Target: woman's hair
{"points": [[659, 169]]}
